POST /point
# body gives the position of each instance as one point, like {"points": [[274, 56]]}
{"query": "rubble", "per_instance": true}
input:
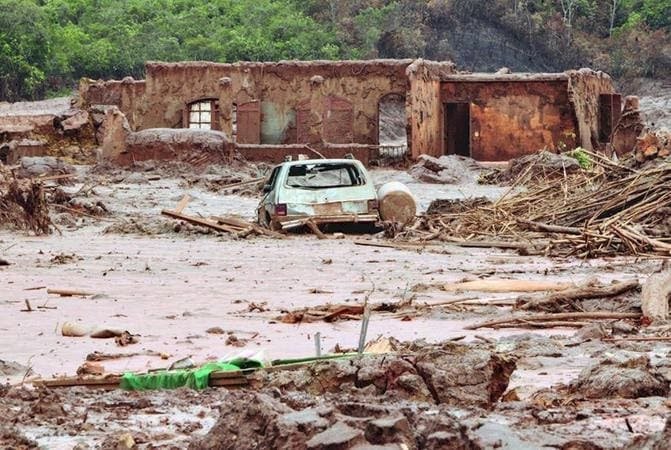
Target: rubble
{"points": [[23, 204], [543, 165], [652, 144], [448, 169], [43, 166], [621, 375]]}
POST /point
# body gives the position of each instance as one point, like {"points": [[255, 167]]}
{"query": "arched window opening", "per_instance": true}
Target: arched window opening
{"points": [[392, 122]]}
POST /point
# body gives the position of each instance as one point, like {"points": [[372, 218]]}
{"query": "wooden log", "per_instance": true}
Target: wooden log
{"points": [[489, 244], [241, 223], [599, 315], [506, 286], [538, 226], [553, 324], [315, 229], [243, 183], [396, 203], [182, 203], [69, 293], [655, 296], [201, 222], [399, 246], [579, 293]]}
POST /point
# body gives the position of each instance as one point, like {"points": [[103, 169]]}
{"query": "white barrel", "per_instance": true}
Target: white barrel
{"points": [[397, 203], [74, 329]]}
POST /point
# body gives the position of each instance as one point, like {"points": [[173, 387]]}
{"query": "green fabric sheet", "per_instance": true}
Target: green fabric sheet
{"points": [[193, 378]]}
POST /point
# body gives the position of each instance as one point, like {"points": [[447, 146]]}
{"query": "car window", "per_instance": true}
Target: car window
{"points": [[321, 176], [273, 177]]}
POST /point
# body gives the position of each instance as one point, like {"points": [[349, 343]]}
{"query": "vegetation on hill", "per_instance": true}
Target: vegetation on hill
{"points": [[46, 45]]}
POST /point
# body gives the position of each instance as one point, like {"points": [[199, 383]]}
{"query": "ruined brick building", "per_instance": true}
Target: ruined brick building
{"points": [[269, 110]]}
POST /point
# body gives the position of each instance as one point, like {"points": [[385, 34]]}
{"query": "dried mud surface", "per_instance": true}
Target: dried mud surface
{"points": [[187, 292]]}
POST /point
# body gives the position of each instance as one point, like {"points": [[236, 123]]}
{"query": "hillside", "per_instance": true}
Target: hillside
{"points": [[46, 46]]}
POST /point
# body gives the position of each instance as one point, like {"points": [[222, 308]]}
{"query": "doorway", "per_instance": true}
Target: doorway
{"points": [[458, 129]]}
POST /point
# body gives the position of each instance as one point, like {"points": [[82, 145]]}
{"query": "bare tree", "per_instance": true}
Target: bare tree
{"points": [[613, 12], [568, 11]]}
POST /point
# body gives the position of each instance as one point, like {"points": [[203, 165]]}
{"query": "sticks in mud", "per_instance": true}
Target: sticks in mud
{"points": [[231, 225], [557, 300], [552, 320], [610, 209]]}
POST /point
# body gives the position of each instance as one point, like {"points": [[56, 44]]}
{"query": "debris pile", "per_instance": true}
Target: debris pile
{"points": [[543, 165], [612, 208], [23, 204], [448, 169], [653, 144], [625, 375]]}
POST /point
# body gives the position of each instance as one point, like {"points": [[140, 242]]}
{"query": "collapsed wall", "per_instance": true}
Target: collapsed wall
{"points": [[597, 107], [424, 106], [49, 127]]}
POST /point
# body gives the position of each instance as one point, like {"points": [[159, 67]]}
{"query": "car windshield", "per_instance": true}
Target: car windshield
{"points": [[322, 176]]}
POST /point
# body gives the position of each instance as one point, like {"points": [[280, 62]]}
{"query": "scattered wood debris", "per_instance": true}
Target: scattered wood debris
{"points": [[232, 225], [333, 313], [69, 293], [612, 208], [568, 299], [574, 319]]}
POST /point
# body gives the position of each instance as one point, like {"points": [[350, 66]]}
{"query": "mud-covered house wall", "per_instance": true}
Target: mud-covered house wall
{"points": [[278, 103], [591, 94], [509, 116], [128, 95], [424, 107]]}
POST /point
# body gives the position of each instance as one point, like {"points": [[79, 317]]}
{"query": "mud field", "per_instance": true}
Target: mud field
{"points": [[186, 292]]}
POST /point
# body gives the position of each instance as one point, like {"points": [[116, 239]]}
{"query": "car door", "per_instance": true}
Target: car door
{"points": [[265, 205]]}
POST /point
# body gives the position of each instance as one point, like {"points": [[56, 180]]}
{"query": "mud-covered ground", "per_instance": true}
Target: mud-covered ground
{"points": [[187, 292]]}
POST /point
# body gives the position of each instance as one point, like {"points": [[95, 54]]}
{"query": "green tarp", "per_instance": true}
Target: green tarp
{"points": [[193, 378]]}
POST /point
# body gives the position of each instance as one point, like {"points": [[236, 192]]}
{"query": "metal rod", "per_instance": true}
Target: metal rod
{"points": [[318, 343], [364, 329]]}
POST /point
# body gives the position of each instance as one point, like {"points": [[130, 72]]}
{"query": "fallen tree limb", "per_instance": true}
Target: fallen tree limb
{"points": [[202, 222], [639, 339], [506, 286], [243, 183], [315, 229], [580, 293], [538, 226], [69, 293], [244, 224], [555, 317], [398, 246]]}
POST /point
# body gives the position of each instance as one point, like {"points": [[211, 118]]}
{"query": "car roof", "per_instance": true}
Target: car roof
{"points": [[321, 161]]}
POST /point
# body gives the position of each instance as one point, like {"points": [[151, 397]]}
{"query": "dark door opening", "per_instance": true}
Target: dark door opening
{"points": [[458, 129]]}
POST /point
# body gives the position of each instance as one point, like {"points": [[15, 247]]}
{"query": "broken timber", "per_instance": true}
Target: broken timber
{"points": [[223, 224], [227, 379], [552, 318], [580, 293]]}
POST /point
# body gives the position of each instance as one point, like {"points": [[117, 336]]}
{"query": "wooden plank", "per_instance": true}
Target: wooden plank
{"points": [[599, 315], [237, 222], [69, 293], [506, 286], [202, 222], [243, 183], [315, 229], [182, 203]]}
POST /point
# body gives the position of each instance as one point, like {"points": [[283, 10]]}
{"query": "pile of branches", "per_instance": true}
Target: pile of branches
{"points": [[23, 204], [612, 208]]}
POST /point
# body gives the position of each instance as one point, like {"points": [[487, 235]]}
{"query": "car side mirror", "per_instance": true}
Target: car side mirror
{"points": [[267, 188]]}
